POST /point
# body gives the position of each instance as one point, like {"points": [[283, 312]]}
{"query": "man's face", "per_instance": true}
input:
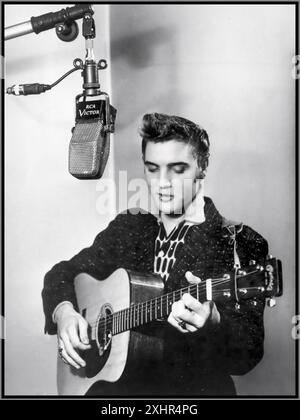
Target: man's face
{"points": [[172, 175]]}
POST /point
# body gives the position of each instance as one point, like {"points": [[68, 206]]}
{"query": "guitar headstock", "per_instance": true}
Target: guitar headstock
{"points": [[260, 280]]}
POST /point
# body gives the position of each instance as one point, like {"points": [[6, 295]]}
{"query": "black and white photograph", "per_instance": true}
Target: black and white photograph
{"points": [[149, 187]]}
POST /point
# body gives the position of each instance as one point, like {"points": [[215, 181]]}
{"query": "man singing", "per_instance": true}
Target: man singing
{"points": [[185, 241]]}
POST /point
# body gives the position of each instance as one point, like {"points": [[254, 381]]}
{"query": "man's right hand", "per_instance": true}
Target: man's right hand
{"points": [[71, 334]]}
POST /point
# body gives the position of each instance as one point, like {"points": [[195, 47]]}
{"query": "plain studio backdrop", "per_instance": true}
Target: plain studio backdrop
{"points": [[226, 67]]}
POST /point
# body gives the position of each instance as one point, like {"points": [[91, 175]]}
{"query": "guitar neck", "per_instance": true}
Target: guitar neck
{"points": [[159, 308], [255, 280]]}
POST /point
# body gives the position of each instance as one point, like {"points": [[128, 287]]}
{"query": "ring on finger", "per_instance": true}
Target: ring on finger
{"points": [[182, 324]]}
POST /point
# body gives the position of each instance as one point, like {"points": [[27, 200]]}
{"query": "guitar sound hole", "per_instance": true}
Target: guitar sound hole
{"points": [[97, 355], [104, 329]]}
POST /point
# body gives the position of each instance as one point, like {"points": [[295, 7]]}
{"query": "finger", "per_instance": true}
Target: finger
{"points": [[67, 359], [178, 308], [191, 311], [174, 322], [71, 352], [191, 278], [60, 343], [74, 338], [195, 319], [181, 313], [191, 328], [193, 304], [83, 334], [63, 354], [212, 310]]}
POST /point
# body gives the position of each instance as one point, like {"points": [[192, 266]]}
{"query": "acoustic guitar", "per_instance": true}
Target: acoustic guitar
{"points": [[121, 309]]}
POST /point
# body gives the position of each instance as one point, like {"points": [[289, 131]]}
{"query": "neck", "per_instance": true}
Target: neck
{"points": [[170, 221]]}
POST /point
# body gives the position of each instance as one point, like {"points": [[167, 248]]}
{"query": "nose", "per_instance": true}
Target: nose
{"points": [[164, 179]]}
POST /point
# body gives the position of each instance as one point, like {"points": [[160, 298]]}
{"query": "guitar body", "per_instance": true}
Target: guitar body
{"points": [[125, 351]]}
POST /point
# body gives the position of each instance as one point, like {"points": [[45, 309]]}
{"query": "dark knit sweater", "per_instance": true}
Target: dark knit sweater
{"points": [[197, 363]]}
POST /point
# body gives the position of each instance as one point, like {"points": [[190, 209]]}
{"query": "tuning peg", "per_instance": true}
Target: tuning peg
{"points": [[243, 291], [252, 262], [241, 272], [271, 302], [259, 267], [254, 303], [269, 257]]}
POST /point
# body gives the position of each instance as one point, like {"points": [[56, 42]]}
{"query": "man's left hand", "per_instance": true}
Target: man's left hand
{"points": [[189, 315]]}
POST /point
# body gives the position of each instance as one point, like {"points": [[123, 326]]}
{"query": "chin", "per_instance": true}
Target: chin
{"points": [[170, 208]]}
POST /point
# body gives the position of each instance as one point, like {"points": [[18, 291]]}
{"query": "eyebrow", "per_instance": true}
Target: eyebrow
{"points": [[170, 165]]}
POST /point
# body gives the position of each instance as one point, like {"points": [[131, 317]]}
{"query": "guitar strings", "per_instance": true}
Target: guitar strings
{"points": [[150, 305], [126, 317]]}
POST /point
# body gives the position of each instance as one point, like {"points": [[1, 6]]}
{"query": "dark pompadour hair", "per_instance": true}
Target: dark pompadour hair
{"points": [[161, 127]]}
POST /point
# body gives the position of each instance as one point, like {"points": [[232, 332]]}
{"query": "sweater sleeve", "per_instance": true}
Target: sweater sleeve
{"points": [[98, 260], [239, 338]]}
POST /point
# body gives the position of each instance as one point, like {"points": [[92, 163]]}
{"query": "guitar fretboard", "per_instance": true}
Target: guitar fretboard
{"points": [[160, 307]]}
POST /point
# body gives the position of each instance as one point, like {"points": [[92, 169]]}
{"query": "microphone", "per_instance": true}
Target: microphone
{"points": [[95, 117], [90, 143]]}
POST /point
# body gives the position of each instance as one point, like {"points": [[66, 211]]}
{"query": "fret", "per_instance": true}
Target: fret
{"points": [[146, 312], [136, 315], [127, 317], [167, 302], [122, 321], [130, 317], [132, 309], [161, 307], [197, 288], [142, 310]]}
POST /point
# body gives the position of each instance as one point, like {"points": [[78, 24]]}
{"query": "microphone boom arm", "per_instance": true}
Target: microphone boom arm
{"points": [[62, 19]]}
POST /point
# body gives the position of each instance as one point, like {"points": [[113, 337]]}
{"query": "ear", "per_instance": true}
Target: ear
{"points": [[202, 165], [202, 174]]}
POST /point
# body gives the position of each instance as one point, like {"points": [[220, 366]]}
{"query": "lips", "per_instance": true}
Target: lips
{"points": [[165, 197]]}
